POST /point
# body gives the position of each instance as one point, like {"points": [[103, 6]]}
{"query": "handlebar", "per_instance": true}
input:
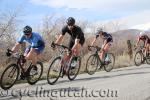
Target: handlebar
{"points": [[16, 55], [58, 45], [136, 47], [53, 45], [95, 47]]}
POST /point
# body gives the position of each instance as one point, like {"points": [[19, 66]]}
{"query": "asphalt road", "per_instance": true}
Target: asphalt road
{"points": [[130, 83]]}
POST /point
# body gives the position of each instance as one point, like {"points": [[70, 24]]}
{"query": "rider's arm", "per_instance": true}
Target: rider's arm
{"points": [[146, 42], [29, 55], [94, 40], [19, 41], [59, 39], [104, 44], [138, 41], [16, 47], [76, 43]]}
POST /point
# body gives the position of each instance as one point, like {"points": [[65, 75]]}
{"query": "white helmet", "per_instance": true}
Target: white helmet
{"points": [[142, 33]]}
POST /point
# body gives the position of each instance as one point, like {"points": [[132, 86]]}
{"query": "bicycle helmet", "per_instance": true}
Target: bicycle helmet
{"points": [[27, 29], [142, 33], [99, 30], [70, 21]]}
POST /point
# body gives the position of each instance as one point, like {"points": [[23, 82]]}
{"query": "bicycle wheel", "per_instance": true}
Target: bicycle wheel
{"points": [[148, 58], [74, 68], [33, 78], [110, 62], [9, 76], [92, 64], [138, 58], [54, 71]]}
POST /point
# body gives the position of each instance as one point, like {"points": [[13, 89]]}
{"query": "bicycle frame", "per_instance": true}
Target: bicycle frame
{"points": [[64, 52], [97, 54]]}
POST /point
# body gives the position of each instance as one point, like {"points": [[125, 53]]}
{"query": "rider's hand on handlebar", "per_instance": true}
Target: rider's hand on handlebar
{"points": [[8, 53], [89, 48], [102, 50], [53, 45], [135, 47]]}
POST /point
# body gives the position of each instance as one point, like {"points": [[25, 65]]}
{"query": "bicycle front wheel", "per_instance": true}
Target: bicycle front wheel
{"points": [[74, 68], [138, 58], [92, 64], [9, 76], [148, 58], [54, 71], [109, 64], [33, 78]]}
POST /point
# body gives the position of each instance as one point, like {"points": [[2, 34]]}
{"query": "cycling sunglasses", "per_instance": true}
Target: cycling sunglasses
{"points": [[27, 34], [70, 25]]}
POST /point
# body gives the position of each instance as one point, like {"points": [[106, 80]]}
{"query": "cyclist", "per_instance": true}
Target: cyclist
{"points": [[77, 38], [142, 36], [36, 46], [107, 42]]}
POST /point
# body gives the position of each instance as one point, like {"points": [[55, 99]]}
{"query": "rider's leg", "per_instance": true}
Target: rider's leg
{"points": [[32, 55], [146, 49], [77, 50], [105, 50], [67, 57]]}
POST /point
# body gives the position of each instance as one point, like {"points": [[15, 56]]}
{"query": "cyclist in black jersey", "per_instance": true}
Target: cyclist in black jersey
{"points": [[77, 38], [142, 36], [107, 42]]}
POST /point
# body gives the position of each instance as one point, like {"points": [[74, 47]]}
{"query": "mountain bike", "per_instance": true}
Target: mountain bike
{"points": [[94, 61], [59, 67], [140, 58], [11, 74]]}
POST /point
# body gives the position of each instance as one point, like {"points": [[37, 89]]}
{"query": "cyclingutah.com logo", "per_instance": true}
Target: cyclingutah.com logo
{"points": [[70, 92]]}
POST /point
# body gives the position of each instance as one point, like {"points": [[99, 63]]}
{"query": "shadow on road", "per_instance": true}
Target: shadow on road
{"points": [[107, 76], [115, 74]]}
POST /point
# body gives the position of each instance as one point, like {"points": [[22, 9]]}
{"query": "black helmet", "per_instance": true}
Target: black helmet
{"points": [[27, 29], [70, 21]]}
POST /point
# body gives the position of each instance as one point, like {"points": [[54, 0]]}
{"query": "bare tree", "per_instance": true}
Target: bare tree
{"points": [[114, 25], [83, 24], [8, 23]]}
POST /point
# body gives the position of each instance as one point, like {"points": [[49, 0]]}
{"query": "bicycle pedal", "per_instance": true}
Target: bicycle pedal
{"points": [[33, 72], [62, 75]]}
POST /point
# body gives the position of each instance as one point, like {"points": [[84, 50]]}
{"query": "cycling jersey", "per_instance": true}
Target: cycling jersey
{"points": [[105, 36], [75, 33], [144, 38], [35, 40]]}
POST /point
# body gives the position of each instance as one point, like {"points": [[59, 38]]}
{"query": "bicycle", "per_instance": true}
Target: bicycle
{"points": [[140, 58], [12, 72], [59, 67], [94, 61]]}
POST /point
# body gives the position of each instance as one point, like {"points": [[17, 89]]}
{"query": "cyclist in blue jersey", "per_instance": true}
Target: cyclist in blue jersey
{"points": [[36, 46], [107, 42]]}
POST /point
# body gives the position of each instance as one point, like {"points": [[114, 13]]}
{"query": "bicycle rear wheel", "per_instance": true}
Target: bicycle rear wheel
{"points": [[54, 71], [74, 67], [138, 58], [9, 76], [32, 79], [109, 64], [92, 64]]}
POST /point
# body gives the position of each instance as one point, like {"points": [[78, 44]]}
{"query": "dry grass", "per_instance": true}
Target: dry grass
{"points": [[123, 61]]}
